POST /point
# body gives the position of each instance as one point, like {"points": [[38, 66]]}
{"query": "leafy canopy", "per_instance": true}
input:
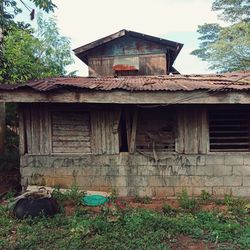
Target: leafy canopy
{"points": [[28, 55], [227, 48]]}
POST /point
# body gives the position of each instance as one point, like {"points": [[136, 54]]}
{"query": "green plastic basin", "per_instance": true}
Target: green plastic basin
{"points": [[94, 200]]}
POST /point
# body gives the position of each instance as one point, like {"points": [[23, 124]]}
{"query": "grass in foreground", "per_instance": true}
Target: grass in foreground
{"points": [[116, 228]]}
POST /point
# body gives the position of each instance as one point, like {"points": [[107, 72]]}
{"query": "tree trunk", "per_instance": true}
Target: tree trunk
{"points": [[2, 127], [2, 105]]}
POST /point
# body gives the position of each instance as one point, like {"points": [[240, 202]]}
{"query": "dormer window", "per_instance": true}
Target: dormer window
{"points": [[126, 65]]}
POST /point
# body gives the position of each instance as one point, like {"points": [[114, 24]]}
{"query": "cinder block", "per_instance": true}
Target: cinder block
{"points": [[215, 160], [246, 181], [198, 190], [132, 170], [241, 191], [26, 171], [203, 170], [145, 191], [221, 191], [178, 190], [164, 191], [213, 181], [156, 181], [64, 182], [241, 170], [234, 159], [246, 159], [142, 170], [222, 170], [138, 181], [122, 191], [123, 158], [231, 181], [190, 181]]}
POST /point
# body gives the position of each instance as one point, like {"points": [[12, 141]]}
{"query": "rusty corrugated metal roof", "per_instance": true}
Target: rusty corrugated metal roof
{"points": [[238, 81]]}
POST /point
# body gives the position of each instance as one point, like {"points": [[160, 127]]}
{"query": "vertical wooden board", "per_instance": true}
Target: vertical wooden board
{"points": [[133, 131], [128, 126], [93, 131], [22, 142], [41, 131], [180, 132], [99, 133], [116, 116], [203, 133], [101, 66], [107, 131], [47, 130], [35, 118], [191, 140], [103, 132], [27, 115]]}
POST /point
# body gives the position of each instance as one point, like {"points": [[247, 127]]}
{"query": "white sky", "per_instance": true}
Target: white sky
{"points": [[86, 21]]}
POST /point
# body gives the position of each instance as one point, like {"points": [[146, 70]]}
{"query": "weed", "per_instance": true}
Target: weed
{"points": [[168, 210], [114, 195], [144, 199], [187, 203], [228, 199], [73, 194], [205, 196]]}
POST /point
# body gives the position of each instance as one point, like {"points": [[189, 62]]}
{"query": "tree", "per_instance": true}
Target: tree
{"points": [[29, 55], [227, 48]]}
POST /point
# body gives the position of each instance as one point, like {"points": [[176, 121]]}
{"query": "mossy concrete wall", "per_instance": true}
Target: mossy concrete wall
{"points": [[136, 174]]}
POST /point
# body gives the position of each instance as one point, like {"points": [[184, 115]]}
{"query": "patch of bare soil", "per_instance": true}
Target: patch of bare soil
{"points": [[184, 242]]}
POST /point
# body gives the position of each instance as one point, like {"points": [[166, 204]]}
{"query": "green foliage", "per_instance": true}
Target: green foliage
{"points": [[227, 48], [28, 55], [136, 229], [73, 194], [205, 196], [143, 199], [168, 210], [232, 10], [187, 203]]}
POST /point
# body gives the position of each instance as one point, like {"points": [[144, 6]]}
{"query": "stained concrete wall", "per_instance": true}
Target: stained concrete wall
{"points": [[136, 174]]}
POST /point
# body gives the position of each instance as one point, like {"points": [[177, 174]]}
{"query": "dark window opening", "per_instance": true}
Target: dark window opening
{"points": [[123, 134], [229, 130], [156, 131]]}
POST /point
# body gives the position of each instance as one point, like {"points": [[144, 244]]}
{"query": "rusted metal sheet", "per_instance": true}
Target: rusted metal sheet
{"points": [[224, 82]]}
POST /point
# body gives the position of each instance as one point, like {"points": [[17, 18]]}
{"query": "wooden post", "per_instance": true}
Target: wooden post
{"points": [[128, 126], [133, 132]]}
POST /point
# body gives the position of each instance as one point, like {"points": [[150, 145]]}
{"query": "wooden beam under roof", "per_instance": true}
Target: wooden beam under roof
{"points": [[125, 97]]}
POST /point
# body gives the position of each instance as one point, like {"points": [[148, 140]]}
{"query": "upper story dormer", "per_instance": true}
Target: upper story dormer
{"points": [[128, 53]]}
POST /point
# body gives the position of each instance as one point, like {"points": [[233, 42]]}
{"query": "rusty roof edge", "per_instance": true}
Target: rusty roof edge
{"points": [[175, 46]]}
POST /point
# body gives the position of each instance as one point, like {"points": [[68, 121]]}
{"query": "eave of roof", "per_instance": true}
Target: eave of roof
{"points": [[238, 81]]}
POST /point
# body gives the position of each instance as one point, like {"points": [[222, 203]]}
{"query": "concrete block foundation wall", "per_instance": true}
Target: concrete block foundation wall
{"points": [[137, 174]]}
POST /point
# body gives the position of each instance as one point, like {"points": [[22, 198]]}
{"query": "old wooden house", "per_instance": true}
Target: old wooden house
{"points": [[133, 126]]}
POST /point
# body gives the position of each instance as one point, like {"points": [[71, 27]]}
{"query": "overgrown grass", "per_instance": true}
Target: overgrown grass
{"points": [[133, 229], [118, 227]]}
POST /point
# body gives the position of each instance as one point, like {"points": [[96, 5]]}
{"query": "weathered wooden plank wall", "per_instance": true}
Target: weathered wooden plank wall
{"points": [[105, 131], [35, 129], [153, 64], [192, 133], [71, 132]]}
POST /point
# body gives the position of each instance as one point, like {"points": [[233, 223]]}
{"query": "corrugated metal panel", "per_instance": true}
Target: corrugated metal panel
{"points": [[239, 81]]}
